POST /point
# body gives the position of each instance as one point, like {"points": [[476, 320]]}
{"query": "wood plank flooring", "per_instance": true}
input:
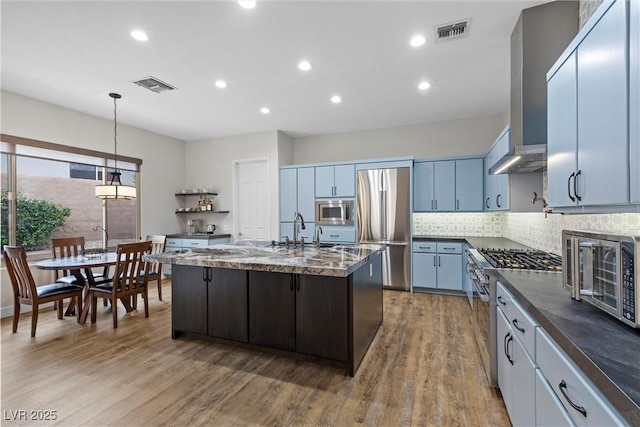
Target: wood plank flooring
{"points": [[422, 369]]}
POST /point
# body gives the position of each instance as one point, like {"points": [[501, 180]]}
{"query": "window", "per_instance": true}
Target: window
{"points": [[54, 192], [77, 170]]}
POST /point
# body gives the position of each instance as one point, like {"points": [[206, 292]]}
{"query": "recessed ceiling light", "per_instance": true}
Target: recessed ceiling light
{"points": [[417, 40], [424, 85], [139, 35], [247, 4], [265, 110], [221, 84], [336, 99], [304, 65]]}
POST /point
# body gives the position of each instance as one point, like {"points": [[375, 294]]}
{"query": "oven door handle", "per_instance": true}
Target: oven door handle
{"points": [[483, 297]]}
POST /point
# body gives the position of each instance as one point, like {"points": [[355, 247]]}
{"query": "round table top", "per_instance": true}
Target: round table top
{"points": [[77, 262]]}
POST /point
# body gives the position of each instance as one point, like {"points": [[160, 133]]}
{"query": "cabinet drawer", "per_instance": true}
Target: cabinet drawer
{"points": [[521, 322], [449, 248], [549, 410], [338, 235], [174, 242], [424, 247], [559, 370], [194, 243]]}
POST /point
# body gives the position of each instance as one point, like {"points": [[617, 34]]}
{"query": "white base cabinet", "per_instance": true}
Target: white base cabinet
{"points": [[437, 265]]}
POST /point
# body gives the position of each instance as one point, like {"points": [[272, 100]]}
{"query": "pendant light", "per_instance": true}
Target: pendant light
{"points": [[114, 189]]}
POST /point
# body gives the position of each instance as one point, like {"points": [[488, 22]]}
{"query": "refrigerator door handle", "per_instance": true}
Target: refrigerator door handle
{"points": [[383, 215]]}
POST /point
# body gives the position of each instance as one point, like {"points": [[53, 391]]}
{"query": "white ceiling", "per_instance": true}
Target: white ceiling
{"points": [[74, 53]]}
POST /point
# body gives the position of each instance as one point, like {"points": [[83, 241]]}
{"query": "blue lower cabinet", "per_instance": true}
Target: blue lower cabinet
{"points": [[437, 265]]}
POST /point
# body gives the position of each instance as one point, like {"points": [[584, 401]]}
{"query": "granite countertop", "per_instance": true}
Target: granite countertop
{"points": [[607, 350], [198, 236], [337, 261]]}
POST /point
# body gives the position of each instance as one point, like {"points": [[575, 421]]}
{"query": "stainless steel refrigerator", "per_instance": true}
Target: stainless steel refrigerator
{"points": [[384, 217]]}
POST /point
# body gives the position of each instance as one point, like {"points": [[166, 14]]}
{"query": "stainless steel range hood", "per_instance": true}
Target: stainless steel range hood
{"points": [[522, 159], [541, 34]]}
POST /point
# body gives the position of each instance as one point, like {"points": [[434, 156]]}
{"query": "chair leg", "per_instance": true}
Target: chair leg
{"points": [[114, 309], [58, 306], [146, 301], [134, 301], [16, 315], [34, 319], [79, 304], [160, 286], [94, 308]]}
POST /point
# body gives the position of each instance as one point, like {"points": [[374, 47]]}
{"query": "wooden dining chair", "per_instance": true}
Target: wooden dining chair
{"points": [[128, 280], [26, 292], [158, 243]]}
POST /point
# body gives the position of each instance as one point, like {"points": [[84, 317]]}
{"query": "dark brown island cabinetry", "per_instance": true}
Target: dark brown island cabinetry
{"points": [[306, 314], [210, 301], [322, 318]]}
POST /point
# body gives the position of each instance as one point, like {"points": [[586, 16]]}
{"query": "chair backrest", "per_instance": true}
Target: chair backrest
{"points": [[64, 247], [130, 268], [15, 258], [158, 242]]}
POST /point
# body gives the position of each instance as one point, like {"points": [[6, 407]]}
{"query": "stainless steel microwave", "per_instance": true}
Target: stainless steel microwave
{"points": [[600, 268], [334, 212]]}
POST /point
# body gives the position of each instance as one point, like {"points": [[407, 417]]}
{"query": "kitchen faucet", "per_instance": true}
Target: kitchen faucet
{"points": [[297, 216]]}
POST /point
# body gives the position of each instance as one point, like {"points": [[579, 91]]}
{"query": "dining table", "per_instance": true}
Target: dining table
{"points": [[76, 265]]}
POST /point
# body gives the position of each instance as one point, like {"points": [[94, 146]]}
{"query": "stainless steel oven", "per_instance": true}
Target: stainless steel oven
{"points": [[334, 212], [481, 313], [600, 268]]}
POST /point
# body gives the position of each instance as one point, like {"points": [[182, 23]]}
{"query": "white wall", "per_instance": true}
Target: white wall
{"points": [[163, 167], [209, 164], [427, 140]]}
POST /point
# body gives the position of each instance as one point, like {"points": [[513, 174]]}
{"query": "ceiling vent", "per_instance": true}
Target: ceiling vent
{"points": [[154, 84], [452, 31]]}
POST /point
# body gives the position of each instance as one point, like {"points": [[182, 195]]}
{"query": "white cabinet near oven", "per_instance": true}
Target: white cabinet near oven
{"points": [[516, 334]]}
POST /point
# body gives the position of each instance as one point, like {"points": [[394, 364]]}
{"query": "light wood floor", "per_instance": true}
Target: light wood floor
{"points": [[422, 369]]}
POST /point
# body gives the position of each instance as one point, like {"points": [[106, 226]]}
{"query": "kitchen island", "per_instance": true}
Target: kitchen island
{"points": [[322, 304]]}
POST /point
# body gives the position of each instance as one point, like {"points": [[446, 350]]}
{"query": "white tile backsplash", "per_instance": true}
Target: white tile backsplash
{"points": [[531, 229]]}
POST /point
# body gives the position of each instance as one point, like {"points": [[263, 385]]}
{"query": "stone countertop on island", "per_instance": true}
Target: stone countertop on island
{"points": [[337, 261]]}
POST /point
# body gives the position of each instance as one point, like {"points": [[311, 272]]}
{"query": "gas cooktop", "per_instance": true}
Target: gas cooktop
{"points": [[522, 259]]}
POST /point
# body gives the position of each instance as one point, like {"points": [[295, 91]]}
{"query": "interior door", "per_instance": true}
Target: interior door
{"points": [[253, 199]]}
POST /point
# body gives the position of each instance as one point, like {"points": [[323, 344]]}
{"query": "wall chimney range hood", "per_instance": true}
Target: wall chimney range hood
{"points": [[540, 36]]}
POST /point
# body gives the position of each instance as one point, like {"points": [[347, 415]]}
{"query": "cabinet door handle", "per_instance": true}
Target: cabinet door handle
{"points": [[575, 185], [580, 409], [297, 279], [334, 235], [434, 260], [573, 199], [204, 274], [291, 284], [438, 261], [449, 249], [486, 203], [507, 338], [431, 204], [516, 325], [457, 204], [424, 247], [498, 200], [436, 204], [508, 353], [501, 300]]}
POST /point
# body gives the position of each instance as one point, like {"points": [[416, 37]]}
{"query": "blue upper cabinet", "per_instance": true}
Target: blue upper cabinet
{"points": [[423, 186], [448, 186], [588, 114], [445, 186], [496, 187], [306, 195], [288, 194], [335, 181], [634, 100], [603, 171], [297, 193], [562, 128], [469, 185]]}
